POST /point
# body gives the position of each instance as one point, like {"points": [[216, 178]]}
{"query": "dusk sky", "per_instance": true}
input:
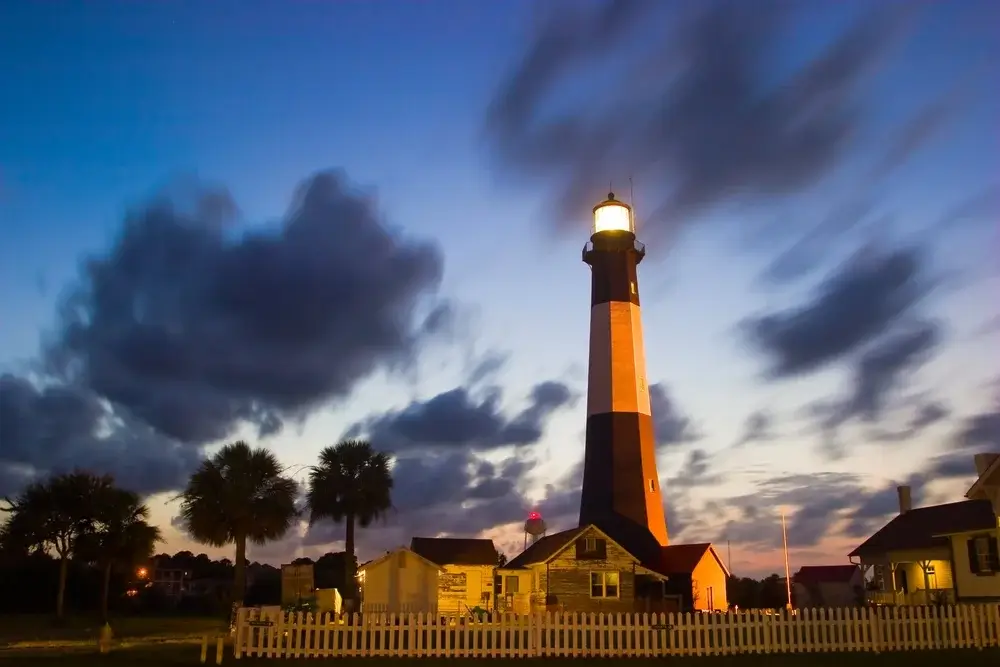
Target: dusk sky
{"points": [[292, 221]]}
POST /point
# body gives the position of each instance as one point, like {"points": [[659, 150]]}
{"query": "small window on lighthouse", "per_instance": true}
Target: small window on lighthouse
{"points": [[632, 284], [652, 486]]}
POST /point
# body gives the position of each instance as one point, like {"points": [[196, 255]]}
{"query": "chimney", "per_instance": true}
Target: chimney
{"points": [[984, 461], [905, 500]]}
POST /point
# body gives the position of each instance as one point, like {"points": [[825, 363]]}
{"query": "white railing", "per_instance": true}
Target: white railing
{"points": [[620, 635], [917, 597]]}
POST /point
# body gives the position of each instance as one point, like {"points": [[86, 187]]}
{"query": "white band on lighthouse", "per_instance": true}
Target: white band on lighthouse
{"points": [[617, 377]]}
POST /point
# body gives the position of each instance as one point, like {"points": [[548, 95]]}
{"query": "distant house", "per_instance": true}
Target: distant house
{"points": [[400, 581], [697, 574], [173, 581], [466, 580], [828, 586], [581, 569], [912, 556], [975, 557]]}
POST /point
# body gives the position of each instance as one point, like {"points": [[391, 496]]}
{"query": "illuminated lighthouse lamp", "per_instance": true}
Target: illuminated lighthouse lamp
{"points": [[612, 215]]}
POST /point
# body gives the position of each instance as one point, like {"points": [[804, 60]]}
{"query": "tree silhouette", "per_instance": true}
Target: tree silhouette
{"points": [[239, 494], [121, 536], [53, 514], [352, 484]]}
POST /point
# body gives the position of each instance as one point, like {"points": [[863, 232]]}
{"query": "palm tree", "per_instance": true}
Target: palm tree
{"points": [[237, 495], [121, 536], [352, 484], [53, 514]]}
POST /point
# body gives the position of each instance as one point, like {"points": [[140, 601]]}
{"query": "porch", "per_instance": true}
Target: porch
{"points": [[921, 577]]}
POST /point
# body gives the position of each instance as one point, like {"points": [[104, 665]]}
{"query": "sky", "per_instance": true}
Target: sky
{"points": [[300, 221]]}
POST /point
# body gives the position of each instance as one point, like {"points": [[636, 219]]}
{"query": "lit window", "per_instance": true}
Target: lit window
{"points": [[604, 584], [512, 584], [634, 291]]}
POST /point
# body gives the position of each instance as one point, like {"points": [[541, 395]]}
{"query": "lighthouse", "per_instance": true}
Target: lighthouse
{"points": [[621, 489]]}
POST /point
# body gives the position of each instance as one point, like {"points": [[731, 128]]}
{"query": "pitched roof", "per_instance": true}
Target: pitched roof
{"points": [[825, 574], [994, 462], [455, 550], [682, 558], [924, 527], [375, 561], [544, 548]]}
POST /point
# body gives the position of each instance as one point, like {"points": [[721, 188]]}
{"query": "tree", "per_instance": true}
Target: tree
{"points": [[120, 536], [501, 558], [238, 495], [53, 514], [352, 484]]}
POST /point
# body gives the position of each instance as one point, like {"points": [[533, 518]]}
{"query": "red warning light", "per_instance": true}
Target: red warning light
{"points": [[534, 516]]}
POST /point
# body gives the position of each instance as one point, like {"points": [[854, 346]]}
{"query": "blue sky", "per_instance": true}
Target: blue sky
{"points": [[110, 102]]}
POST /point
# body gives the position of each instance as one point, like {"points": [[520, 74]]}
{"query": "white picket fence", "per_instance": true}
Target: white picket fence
{"points": [[618, 635]]}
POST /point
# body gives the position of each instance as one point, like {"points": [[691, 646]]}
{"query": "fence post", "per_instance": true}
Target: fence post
{"points": [[875, 627], [241, 622], [995, 634]]}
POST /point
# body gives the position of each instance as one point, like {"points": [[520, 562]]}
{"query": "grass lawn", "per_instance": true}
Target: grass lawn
{"points": [[28, 630], [169, 656]]}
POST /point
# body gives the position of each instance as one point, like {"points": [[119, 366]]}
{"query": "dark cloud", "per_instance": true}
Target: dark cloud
{"points": [[693, 115], [816, 504], [804, 256], [194, 326], [925, 413], [696, 471], [757, 427], [671, 425], [457, 418], [980, 432], [438, 494], [864, 299], [57, 428]]}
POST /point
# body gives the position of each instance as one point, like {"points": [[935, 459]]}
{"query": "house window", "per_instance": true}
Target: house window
{"points": [[498, 584], [512, 584], [604, 585], [590, 545], [983, 554]]}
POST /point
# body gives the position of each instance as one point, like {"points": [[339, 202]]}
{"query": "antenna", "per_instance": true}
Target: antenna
{"points": [[631, 201]]}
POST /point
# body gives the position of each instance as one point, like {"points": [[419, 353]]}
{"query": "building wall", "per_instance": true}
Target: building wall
{"points": [[830, 594], [517, 602], [708, 584], [969, 586], [462, 587], [401, 583], [568, 578]]}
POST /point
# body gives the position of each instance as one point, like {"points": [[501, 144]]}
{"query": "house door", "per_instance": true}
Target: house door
{"points": [[710, 594], [931, 578]]}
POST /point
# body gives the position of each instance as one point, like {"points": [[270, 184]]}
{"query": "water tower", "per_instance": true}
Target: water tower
{"points": [[533, 526]]}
